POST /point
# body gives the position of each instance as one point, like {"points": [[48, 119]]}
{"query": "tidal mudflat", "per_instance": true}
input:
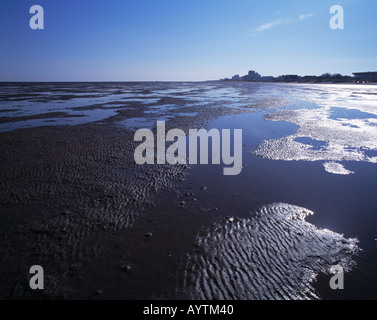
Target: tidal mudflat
{"points": [[74, 201]]}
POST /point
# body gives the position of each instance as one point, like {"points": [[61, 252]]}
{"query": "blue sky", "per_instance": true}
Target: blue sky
{"points": [[121, 40]]}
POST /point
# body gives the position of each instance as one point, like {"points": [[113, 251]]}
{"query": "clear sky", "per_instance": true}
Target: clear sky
{"points": [[122, 40]]}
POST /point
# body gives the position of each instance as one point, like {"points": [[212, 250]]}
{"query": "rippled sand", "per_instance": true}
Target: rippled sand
{"points": [[275, 254]]}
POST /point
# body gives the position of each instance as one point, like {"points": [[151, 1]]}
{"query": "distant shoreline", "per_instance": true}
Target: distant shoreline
{"points": [[188, 81], [301, 82], [326, 78]]}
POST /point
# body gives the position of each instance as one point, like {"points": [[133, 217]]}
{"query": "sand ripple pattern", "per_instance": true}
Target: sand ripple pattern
{"points": [[274, 255], [63, 191]]}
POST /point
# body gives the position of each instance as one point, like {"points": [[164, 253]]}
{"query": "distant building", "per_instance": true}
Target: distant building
{"points": [[252, 76], [366, 76], [291, 77], [267, 78], [309, 79], [324, 78]]}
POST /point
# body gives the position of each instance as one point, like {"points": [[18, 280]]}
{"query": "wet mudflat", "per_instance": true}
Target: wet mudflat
{"points": [[74, 201]]}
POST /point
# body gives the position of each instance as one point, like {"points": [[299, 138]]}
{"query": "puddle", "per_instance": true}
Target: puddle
{"points": [[186, 114], [344, 142], [315, 144], [74, 118], [142, 123], [344, 113]]}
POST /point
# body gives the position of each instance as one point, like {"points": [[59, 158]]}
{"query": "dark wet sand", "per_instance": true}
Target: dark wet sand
{"points": [[65, 191], [74, 201], [71, 198]]}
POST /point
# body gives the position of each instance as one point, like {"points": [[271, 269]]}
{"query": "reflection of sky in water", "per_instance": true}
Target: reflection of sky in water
{"points": [[344, 113], [186, 114], [254, 127], [315, 144], [143, 123], [337, 130], [87, 116], [27, 108], [160, 109]]}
